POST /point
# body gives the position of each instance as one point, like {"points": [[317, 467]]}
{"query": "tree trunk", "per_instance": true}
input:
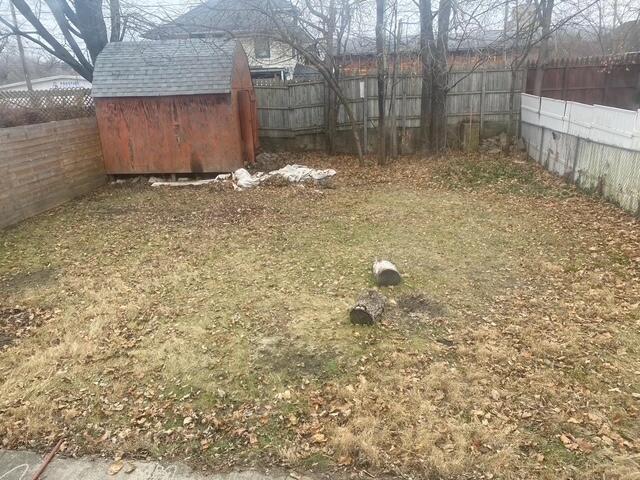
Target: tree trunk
{"points": [[426, 57], [385, 273], [354, 128], [333, 84], [439, 86], [92, 26], [544, 51], [382, 73], [332, 106], [368, 308], [50, 43], [25, 70], [116, 21], [332, 121], [512, 114], [393, 114]]}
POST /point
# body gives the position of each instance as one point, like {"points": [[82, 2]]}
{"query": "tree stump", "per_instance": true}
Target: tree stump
{"points": [[368, 308], [386, 273]]}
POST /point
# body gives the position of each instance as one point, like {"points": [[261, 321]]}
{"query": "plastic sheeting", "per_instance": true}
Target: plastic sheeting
{"points": [[242, 179]]}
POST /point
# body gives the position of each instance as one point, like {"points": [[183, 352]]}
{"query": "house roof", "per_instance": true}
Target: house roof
{"points": [[469, 41], [164, 68], [225, 17]]}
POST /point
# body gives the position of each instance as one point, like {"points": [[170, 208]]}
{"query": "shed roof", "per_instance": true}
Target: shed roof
{"points": [[164, 68]]}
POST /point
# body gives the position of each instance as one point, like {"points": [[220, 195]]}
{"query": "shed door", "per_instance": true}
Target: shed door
{"points": [[247, 122]]}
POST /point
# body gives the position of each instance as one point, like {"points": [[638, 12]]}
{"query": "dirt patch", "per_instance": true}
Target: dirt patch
{"points": [[276, 355], [418, 314], [417, 303], [22, 280], [17, 323]]}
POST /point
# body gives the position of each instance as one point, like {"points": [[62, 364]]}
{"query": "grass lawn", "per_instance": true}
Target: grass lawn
{"points": [[211, 326]]}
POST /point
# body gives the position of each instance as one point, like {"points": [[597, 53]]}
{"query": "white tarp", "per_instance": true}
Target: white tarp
{"points": [[243, 179]]}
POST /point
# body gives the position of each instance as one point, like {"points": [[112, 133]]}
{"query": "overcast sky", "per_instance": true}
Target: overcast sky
{"points": [[493, 16]]}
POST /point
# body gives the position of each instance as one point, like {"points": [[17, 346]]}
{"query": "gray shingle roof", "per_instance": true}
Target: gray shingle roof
{"points": [[227, 17], [163, 68]]}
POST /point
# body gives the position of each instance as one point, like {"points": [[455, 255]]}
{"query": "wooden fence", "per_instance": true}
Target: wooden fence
{"points": [[613, 81], [296, 108], [24, 108], [299, 109], [42, 166]]}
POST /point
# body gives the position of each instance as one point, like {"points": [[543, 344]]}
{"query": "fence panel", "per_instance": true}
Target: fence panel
{"points": [[287, 109], [273, 109], [596, 147], [42, 166], [292, 108], [612, 81]]}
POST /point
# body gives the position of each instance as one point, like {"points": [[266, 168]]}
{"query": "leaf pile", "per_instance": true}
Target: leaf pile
{"points": [[17, 323]]}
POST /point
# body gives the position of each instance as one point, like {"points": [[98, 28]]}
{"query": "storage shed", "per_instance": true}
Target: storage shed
{"points": [[175, 106]]}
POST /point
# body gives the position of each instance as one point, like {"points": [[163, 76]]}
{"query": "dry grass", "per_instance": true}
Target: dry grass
{"points": [[211, 325]]}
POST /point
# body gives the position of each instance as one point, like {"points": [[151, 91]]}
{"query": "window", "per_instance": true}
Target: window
{"points": [[261, 47]]}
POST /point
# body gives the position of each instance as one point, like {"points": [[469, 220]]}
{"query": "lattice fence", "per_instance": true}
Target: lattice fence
{"points": [[24, 108]]}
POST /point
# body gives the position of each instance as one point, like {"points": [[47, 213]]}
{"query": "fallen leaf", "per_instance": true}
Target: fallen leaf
{"points": [[116, 467], [319, 438]]}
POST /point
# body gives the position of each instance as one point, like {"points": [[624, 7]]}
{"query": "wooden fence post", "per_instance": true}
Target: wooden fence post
{"points": [[290, 112], [403, 135], [365, 116], [482, 95]]}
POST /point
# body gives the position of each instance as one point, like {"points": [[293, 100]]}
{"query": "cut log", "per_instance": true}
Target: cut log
{"points": [[386, 273], [368, 308]]}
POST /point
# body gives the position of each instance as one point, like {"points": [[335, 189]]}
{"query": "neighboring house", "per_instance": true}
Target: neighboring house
{"points": [[626, 37], [248, 22], [175, 106], [57, 82], [487, 47]]}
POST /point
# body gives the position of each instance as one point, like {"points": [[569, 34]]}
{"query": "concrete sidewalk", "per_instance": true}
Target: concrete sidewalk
{"points": [[16, 465]]}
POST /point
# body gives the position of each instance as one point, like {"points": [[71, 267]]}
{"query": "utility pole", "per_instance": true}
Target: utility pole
{"points": [[27, 78]]}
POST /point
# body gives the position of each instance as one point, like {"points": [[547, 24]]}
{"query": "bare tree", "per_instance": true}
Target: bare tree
{"points": [[533, 29], [319, 35], [440, 72], [544, 11], [427, 46], [80, 31], [381, 55], [433, 54]]}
